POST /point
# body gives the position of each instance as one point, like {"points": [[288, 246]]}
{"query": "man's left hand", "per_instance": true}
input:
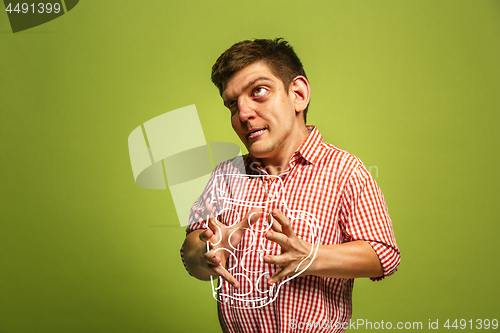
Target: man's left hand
{"points": [[294, 251]]}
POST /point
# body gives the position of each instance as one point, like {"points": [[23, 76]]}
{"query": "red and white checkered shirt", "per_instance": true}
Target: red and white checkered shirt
{"points": [[333, 186]]}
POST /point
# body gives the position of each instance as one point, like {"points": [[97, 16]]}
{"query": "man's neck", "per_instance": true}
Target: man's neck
{"points": [[277, 165]]}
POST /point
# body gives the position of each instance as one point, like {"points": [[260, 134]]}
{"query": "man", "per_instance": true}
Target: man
{"points": [[263, 84]]}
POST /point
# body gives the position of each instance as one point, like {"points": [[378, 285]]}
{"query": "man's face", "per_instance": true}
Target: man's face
{"points": [[262, 112]]}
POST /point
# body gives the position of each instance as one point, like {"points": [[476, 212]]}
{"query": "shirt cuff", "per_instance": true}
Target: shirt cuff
{"points": [[389, 259], [191, 227]]}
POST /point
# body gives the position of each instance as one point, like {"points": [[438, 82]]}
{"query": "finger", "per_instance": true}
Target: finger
{"points": [[280, 273], [283, 221], [210, 208], [276, 226], [205, 235], [211, 221], [211, 258], [223, 273], [280, 260], [212, 224], [279, 238], [215, 229]]}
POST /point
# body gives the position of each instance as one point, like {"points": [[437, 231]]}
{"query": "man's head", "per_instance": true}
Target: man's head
{"points": [[267, 100], [277, 54]]}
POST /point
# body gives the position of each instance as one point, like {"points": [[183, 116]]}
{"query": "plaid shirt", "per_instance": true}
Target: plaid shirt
{"points": [[333, 186]]}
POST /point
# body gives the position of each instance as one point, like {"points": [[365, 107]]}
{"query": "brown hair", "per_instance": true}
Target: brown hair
{"points": [[278, 54]]}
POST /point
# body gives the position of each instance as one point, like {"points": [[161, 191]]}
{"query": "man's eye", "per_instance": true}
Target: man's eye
{"points": [[232, 106], [259, 91]]}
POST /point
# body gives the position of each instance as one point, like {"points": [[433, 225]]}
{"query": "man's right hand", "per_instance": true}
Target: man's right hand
{"points": [[217, 239]]}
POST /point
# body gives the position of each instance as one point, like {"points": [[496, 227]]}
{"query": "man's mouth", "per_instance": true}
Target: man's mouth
{"points": [[256, 133]]}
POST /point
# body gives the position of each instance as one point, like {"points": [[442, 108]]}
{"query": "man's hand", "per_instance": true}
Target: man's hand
{"points": [[219, 239], [295, 254], [347, 260]]}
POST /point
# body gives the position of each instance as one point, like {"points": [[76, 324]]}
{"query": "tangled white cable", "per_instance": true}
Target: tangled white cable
{"points": [[230, 195]]}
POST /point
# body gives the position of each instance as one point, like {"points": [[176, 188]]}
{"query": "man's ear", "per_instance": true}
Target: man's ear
{"points": [[299, 87]]}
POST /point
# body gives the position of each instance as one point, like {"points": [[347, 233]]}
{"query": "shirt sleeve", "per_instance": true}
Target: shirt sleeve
{"points": [[364, 216], [198, 212]]}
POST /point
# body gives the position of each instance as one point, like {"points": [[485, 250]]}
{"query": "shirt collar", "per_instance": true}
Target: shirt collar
{"points": [[308, 152], [309, 149]]}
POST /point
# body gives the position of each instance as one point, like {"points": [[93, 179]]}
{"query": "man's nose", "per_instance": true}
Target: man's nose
{"points": [[245, 109]]}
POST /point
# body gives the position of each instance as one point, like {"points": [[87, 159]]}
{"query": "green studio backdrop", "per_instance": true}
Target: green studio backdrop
{"points": [[410, 87]]}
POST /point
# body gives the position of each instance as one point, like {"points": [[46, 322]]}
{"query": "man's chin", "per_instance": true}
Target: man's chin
{"points": [[258, 149], [257, 153]]}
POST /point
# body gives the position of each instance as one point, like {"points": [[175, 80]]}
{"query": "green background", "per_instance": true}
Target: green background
{"points": [[411, 87]]}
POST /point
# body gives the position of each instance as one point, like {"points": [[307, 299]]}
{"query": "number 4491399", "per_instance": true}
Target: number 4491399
{"points": [[39, 8], [477, 324]]}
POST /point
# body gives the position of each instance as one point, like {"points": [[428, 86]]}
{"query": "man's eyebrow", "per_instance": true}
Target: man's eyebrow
{"points": [[251, 83]]}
